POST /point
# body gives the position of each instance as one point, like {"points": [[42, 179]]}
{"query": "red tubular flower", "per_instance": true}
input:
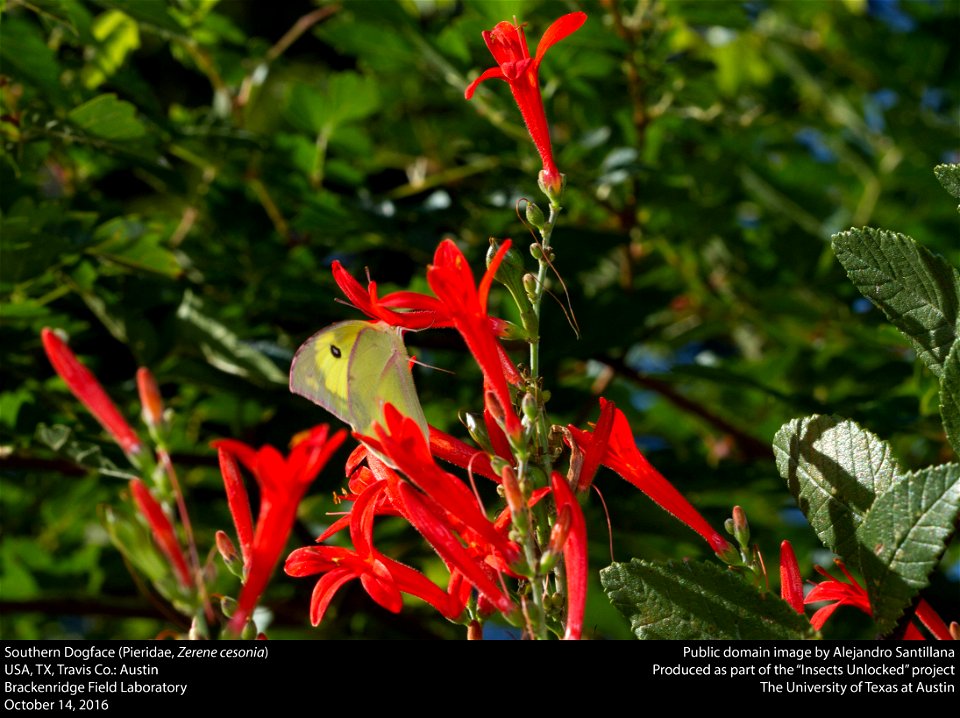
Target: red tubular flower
{"points": [[402, 441], [508, 46], [162, 530], [238, 503], [839, 593], [283, 483], [382, 578], [88, 390], [594, 453], [420, 310], [574, 556], [452, 281], [624, 458], [452, 450], [931, 619], [791, 584]]}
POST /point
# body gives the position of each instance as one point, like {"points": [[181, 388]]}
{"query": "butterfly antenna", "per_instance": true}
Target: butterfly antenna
{"points": [[414, 360], [609, 525]]}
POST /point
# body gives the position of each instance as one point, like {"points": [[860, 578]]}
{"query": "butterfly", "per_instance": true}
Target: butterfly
{"points": [[353, 369]]}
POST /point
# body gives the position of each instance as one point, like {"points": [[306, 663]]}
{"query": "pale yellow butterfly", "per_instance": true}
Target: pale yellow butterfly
{"points": [[353, 369]]}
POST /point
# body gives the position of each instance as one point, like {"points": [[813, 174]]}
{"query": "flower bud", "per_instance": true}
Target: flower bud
{"points": [[150, 399], [560, 530], [476, 429], [249, 631], [228, 552], [535, 215], [228, 605], [498, 464], [548, 561], [530, 408], [512, 491], [730, 555], [552, 185], [530, 285], [741, 528], [511, 266]]}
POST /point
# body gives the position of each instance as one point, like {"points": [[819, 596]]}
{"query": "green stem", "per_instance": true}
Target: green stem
{"points": [[538, 621]]}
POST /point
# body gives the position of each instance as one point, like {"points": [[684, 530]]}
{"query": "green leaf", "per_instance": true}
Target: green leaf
{"points": [[60, 438], [835, 470], [107, 117], [693, 600], [136, 244], [153, 14], [949, 176], [223, 349], [917, 290], [903, 536], [950, 397], [117, 35], [26, 56], [346, 97]]}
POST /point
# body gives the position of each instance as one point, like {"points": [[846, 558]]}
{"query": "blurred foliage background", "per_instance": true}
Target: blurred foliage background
{"points": [[178, 176]]}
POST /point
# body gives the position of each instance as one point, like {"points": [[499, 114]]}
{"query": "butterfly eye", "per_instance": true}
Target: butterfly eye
{"points": [[335, 350]]}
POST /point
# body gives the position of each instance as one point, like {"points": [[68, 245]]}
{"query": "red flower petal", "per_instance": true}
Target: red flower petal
{"points": [[448, 547], [625, 459], [574, 556], [88, 390], [452, 450], [493, 73], [238, 503], [791, 584], [325, 590], [561, 28], [163, 532]]}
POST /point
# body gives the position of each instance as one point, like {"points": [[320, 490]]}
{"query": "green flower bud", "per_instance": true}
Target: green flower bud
{"points": [[535, 215]]}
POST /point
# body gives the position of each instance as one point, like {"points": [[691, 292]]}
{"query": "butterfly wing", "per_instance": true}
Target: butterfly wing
{"points": [[352, 369], [320, 368]]}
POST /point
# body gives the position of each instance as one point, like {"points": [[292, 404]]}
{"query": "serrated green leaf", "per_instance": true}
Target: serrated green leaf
{"points": [[950, 397], [949, 176], [107, 117], [223, 349], [835, 470], [903, 536], [693, 600], [917, 290]]}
